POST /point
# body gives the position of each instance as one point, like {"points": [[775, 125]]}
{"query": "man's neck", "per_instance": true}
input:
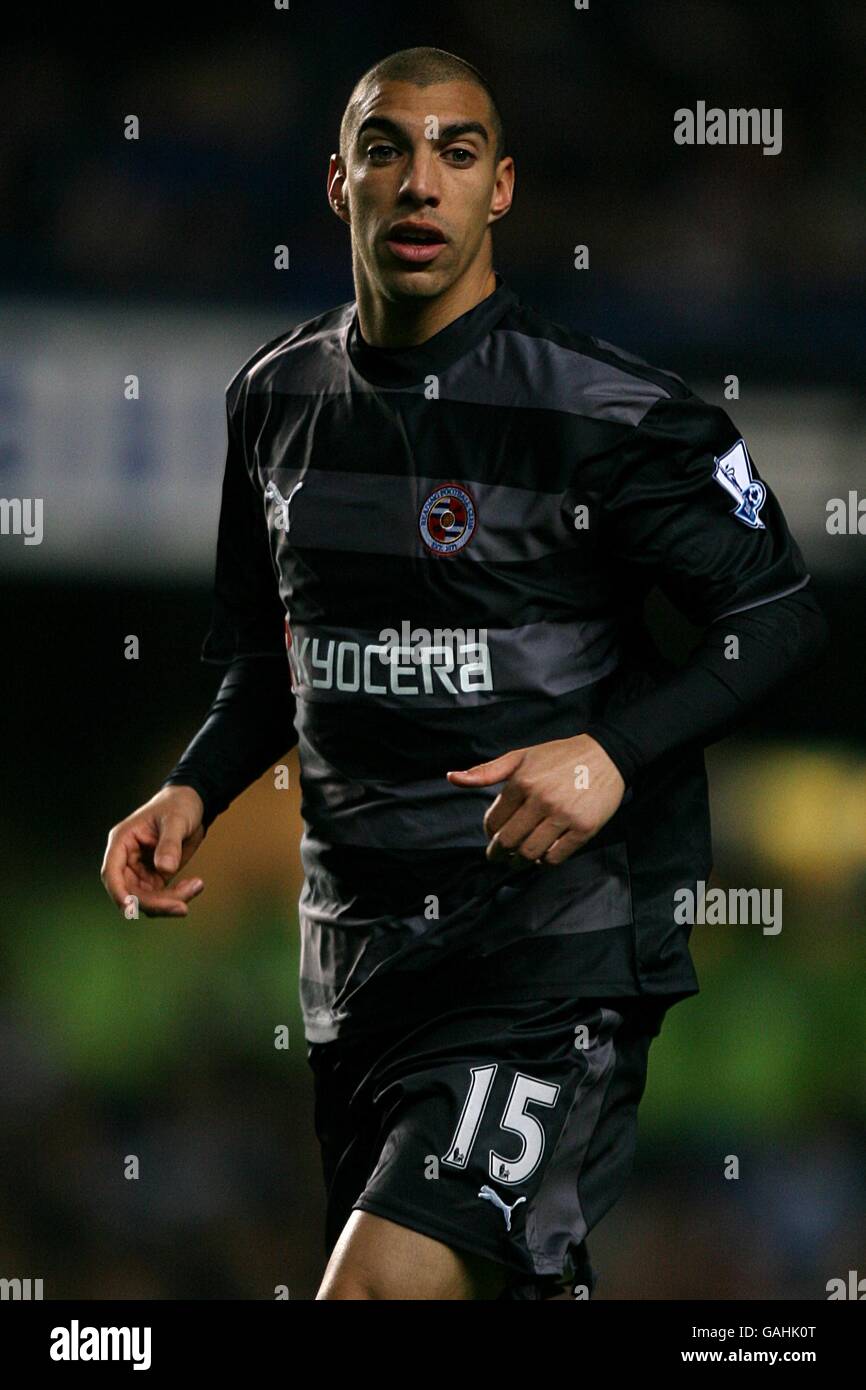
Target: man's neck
{"points": [[406, 323]]}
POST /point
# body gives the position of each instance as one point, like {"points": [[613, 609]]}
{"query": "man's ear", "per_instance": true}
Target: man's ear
{"points": [[503, 190], [337, 187]]}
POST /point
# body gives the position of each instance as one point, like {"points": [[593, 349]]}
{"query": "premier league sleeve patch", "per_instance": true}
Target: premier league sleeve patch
{"points": [[447, 519], [734, 471]]}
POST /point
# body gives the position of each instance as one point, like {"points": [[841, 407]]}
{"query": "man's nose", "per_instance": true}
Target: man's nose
{"points": [[422, 176]]}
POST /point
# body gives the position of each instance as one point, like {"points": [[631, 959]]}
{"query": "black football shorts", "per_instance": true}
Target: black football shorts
{"points": [[505, 1130]]}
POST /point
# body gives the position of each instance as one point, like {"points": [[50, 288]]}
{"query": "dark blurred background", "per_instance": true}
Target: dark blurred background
{"points": [[155, 257]]}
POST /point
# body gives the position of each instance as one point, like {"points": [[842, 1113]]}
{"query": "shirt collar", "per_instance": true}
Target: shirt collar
{"points": [[406, 366]]}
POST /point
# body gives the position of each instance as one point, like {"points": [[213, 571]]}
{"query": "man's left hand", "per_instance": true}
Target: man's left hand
{"points": [[556, 797]]}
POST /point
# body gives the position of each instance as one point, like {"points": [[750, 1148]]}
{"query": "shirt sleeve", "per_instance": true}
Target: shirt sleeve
{"points": [[251, 721], [723, 680], [248, 616], [681, 504], [247, 729]]}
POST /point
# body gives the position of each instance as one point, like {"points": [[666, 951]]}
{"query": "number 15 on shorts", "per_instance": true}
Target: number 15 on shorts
{"points": [[516, 1119]]}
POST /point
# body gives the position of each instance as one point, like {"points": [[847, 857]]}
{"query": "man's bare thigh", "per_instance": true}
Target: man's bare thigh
{"points": [[376, 1258]]}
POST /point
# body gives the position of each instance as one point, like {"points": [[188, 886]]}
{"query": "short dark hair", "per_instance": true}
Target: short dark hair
{"points": [[423, 67]]}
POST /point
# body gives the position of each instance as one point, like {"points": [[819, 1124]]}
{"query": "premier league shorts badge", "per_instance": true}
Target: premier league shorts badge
{"points": [[447, 519], [734, 471]]}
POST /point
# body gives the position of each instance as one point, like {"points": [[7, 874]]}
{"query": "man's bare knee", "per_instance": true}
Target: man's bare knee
{"points": [[345, 1287]]}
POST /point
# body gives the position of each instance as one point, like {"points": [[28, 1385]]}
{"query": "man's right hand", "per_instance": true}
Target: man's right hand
{"points": [[145, 851]]}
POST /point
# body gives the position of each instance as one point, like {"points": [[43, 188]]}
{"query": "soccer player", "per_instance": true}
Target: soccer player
{"points": [[441, 516]]}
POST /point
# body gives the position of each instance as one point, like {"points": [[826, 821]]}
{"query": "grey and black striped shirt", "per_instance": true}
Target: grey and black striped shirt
{"points": [[454, 542]]}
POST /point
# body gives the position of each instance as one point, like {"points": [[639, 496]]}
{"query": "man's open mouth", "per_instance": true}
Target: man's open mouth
{"points": [[415, 242], [415, 231]]}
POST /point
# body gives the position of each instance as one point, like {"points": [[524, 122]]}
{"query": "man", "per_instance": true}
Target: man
{"points": [[450, 511]]}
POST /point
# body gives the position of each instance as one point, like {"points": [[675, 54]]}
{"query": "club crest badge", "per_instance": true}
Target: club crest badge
{"points": [[733, 471], [447, 519]]}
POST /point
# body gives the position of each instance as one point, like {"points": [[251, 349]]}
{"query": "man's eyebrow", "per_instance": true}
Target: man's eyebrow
{"points": [[446, 132]]}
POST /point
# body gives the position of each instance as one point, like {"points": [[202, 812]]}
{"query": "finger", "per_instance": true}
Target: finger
{"points": [[124, 867], [155, 880], [161, 902], [188, 888], [516, 829], [164, 907], [146, 879], [565, 846], [507, 804], [140, 875], [167, 855], [486, 774], [541, 839], [173, 901], [115, 871]]}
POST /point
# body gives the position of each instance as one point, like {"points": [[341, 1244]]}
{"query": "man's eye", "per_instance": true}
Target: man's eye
{"points": [[460, 149], [376, 151]]}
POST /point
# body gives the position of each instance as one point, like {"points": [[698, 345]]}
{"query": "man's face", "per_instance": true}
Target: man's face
{"points": [[419, 155]]}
